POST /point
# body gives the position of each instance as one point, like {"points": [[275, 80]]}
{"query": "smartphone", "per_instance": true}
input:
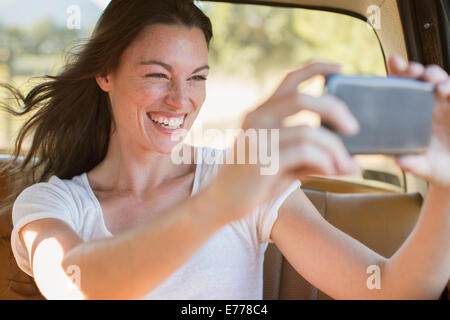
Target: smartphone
{"points": [[394, 114]]}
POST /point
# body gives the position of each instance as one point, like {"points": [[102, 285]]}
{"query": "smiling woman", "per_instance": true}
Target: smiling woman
{"points": [[108, 203], [164, 81], [76, 92], [117, 91]]}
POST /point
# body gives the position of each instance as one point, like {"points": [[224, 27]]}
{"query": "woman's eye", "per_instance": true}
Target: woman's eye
{"points": [[156, 75], [199, 78]]}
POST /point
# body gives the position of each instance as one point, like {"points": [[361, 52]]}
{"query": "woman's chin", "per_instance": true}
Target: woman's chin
{"points": [[165, 147]]}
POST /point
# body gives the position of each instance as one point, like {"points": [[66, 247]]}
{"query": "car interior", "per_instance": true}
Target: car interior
{"points": [[380, 209]]}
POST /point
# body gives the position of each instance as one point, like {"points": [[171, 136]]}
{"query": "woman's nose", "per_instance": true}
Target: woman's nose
{"points": [[178, 95]]}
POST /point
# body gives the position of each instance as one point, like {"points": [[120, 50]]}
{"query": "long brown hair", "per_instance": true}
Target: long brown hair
{"points": [[71, 118]]}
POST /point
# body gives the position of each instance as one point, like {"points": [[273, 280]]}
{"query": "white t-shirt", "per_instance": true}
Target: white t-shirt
{"points": [[228, 266]]}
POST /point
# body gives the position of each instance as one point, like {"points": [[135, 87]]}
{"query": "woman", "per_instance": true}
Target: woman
{"points": [[120, 220]]}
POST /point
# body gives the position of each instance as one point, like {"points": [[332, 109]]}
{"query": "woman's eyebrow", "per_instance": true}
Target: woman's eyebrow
{"points": [[168, 67], [201, 68]]}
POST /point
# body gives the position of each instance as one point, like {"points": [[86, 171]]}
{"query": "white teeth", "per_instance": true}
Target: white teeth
{"points": [[170, 123]]}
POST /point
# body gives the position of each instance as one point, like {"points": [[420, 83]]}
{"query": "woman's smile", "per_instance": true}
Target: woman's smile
{"points": [[167, 122]]}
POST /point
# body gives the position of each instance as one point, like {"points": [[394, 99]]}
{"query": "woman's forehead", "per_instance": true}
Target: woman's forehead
{"points": [[171, 44]]}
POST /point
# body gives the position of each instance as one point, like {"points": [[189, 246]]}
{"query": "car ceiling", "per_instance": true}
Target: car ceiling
{"points": [[390, 33]]}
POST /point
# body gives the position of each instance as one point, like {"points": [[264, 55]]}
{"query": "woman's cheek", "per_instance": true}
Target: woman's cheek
{"points": [[148, 93], [198, 94]]}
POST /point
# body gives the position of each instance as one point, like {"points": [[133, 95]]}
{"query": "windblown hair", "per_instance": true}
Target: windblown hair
{"points": [[70, 116]]}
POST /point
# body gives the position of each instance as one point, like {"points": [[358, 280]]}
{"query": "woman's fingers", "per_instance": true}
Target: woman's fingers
{"points": [[432, 168], [417, 164], [287, 100], [414, 70], [306, 156], [326, 140], [294, 78], [434, 74], [443, 89], [332, 110], [397, 65]]}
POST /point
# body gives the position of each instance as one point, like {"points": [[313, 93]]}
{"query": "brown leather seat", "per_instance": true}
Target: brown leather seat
{"points": [[381, 221], [14, 283]]}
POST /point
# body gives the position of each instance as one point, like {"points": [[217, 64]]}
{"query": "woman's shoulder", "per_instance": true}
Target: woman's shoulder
{"points": [[65, 199], [75, 184], [69, 192], [56, 198]]}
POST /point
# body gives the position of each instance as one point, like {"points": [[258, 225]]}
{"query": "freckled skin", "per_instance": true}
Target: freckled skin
{"points": [[133, 92]]}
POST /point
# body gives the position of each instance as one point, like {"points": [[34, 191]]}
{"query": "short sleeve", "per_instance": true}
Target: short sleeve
{"points": [[268, 213], [38, 201]]}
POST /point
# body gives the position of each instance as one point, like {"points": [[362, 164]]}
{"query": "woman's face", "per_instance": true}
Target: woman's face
{"points": [[159, 86]]}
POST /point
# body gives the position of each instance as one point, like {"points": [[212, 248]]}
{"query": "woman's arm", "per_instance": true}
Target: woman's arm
{"points": [[434, 167], [421, 267], [337, 263], [126, 266], [135, 262]]}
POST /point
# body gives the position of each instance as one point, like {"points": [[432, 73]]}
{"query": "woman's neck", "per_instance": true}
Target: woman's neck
{"points": [[135, 172]]}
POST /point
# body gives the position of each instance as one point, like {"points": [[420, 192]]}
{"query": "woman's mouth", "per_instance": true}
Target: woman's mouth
{"points": [[170, 123]]}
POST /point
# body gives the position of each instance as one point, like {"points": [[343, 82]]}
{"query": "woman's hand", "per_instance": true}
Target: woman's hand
{"points": [[302, 150], [434, 164]]}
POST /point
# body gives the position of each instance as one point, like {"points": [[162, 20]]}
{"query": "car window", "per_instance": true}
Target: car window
{"points": [[253, 47], [34, 42]]}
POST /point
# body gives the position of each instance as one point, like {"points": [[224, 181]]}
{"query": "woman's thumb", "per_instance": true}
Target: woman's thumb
{"points": [[415, 164]]}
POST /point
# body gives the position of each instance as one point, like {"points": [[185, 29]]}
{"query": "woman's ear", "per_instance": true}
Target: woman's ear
{"points": [[104, 81]]}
